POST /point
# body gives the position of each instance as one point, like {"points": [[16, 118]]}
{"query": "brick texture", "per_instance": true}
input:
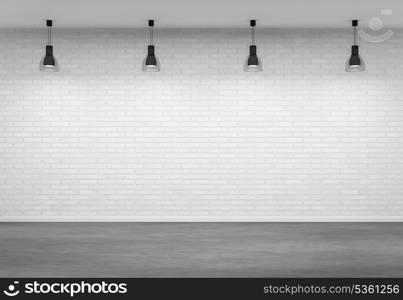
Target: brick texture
{"points": [[200, 138]]}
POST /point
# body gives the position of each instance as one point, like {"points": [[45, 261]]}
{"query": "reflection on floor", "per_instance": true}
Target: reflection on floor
{"points": [[201, 249]]}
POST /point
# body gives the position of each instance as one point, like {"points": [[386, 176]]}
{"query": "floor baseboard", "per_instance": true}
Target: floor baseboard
{"points": [[250, 219]]}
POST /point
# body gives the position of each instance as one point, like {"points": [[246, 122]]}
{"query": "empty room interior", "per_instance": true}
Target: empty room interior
{"points": [[201, 138]]}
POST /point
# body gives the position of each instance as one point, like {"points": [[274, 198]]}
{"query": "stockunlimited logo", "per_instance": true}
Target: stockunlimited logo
{"points": [[12, 289]]}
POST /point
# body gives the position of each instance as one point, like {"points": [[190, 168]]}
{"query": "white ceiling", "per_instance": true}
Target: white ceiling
{"points": [[197, 13]]}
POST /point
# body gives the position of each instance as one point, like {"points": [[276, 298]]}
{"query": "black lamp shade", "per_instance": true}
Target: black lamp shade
{"points": [[49, 59], [151, 60], [355, 59], [49, 62], [253, 59], [355, 63], [253, 62]]}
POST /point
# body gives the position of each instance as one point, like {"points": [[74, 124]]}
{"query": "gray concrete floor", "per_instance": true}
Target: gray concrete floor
{"points": [[201, 249]]}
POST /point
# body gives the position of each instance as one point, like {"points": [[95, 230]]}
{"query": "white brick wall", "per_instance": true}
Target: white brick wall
{"points": [[201, 138]]}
